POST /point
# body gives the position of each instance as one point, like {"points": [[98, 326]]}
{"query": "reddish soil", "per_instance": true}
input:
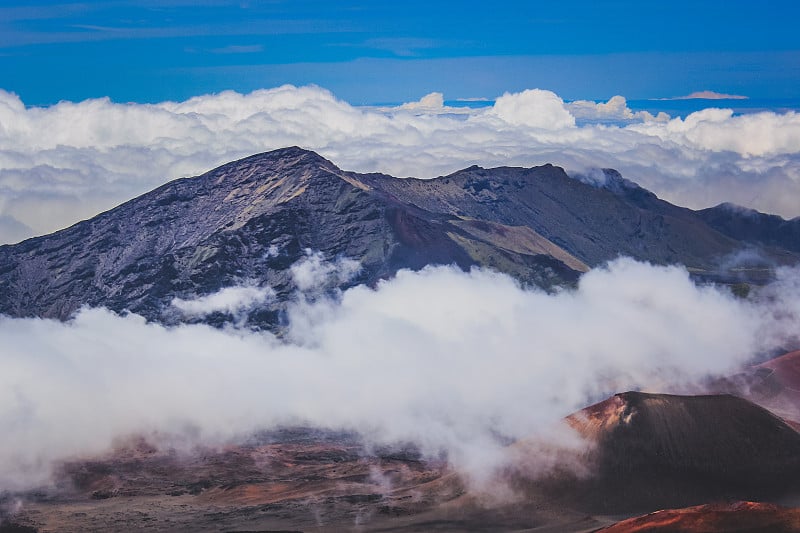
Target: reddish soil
{"points": [[774, 384], [786, 370], [297, 480], [741, 517], [645, 452]]}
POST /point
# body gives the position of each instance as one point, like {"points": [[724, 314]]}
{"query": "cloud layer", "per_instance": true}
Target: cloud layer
{"points": [[443, 358], [69, 161]]}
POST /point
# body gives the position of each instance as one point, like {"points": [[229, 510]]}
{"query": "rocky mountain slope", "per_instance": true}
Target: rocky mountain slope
{"points": [[751, 226], [659, 450], [249, 220]]}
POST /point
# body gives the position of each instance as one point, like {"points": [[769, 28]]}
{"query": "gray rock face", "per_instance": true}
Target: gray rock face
{"points": [[751, 226], [194, 236]]}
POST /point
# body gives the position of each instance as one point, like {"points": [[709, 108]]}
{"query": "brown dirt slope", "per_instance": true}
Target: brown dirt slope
{"points": [[741, 517]]}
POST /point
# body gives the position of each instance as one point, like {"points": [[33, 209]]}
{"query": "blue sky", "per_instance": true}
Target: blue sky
{"points": [[378, 52]]}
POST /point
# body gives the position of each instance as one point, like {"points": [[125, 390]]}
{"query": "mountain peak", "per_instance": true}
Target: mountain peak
{"points": [[283, 160], [289, 152], [737, 209], [295, 154]]}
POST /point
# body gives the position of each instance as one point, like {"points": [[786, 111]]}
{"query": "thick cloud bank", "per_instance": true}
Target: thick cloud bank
{"points": [[71, 160], [446, 359]]}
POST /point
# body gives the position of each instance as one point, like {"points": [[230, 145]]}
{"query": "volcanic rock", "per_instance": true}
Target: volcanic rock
{"points": [[653, 451], [748, 225], [247, 221], [741, 517]]}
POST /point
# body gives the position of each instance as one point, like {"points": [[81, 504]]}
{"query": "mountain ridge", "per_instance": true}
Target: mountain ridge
{"points": [[752, 226], [193, 236]]}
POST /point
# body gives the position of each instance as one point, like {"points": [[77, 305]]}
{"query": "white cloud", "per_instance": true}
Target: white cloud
{"points": [[433, 101], [430, 104], [616, 109], [718, 130], [314, 273], [442, 358], [230, 300], [533, 108], [69, 161]]}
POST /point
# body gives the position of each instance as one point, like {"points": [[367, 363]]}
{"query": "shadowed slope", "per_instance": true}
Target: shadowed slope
{"points": [[751, 226], [657, 450]]}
